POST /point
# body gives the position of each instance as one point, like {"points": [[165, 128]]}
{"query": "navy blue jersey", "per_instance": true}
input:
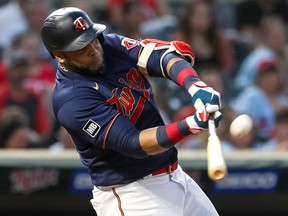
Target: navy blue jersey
{"points": [[100, 112]]}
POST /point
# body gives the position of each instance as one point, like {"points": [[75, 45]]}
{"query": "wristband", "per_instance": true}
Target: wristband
{"points": [[168, 135]]}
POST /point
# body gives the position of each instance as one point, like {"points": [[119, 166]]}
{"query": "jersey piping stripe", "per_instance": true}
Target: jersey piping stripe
{"points": [[119, 201], [108, 129]]}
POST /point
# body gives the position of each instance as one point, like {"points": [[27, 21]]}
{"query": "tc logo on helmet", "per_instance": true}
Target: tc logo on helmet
{"points": [[80, 23]]}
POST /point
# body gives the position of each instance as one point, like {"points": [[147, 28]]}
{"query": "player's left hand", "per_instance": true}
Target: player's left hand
{"points": [[199, 121], [202, 95]]}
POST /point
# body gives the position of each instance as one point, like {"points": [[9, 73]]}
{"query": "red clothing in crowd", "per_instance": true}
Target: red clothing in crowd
{"points": [[31, 103]]}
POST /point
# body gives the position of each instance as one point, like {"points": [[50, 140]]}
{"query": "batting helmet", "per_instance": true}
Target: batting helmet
{"points": [[69, 29]]}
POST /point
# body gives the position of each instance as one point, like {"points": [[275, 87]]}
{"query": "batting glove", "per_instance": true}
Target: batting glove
{"points": [[202, 95], [199, 121]]}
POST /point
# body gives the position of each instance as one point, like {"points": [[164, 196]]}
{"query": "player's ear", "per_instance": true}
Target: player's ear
{"points": [[59, 57]]}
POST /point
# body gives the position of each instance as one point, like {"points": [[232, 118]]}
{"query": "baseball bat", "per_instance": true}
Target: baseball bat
{"points": [[216, 165]]}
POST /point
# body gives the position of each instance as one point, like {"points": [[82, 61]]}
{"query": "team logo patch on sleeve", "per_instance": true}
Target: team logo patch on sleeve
{"points": [[91, 128], [129, 43]]}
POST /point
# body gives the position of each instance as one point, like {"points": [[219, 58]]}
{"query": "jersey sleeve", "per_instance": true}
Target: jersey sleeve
{"points": [[149, 54], [128, 47], [92, 121]]}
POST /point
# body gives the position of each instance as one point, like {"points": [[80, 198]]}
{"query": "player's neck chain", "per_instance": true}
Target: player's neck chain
{"points": [[63, 68]]}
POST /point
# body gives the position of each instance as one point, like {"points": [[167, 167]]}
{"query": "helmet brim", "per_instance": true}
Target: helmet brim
{"points": [[85, 38]]}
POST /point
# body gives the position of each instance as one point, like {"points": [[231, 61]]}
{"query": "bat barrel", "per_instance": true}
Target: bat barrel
{"points": [[216, 163]]}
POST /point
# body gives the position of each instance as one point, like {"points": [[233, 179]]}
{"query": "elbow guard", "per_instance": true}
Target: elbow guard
{"points": [[149, 45]]}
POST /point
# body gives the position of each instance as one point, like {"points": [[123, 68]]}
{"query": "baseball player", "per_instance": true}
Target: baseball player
{"points": [[104, 100]]}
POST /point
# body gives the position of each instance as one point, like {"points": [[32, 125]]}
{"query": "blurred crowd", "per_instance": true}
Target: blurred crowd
{"points": [[241, 51]]}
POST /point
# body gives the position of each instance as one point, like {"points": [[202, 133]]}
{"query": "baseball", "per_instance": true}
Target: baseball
{"points": [[241, 125]]}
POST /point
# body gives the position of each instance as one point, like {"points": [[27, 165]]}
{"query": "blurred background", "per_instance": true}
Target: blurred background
{"points": [[241, 51]]}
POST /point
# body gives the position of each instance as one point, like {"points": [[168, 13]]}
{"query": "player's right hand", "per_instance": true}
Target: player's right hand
{"points": [[202, 95], [199, 121]]}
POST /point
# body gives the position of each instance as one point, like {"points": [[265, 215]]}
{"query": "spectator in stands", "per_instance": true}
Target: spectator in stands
{"points": [[249, 14], [41, 73], [14, 129], [112, 15], [35, 12], [18, 16], [87, 5], [225, 15], [16, 93], [271, 45], [15, 26], [25, 34], [64, 141], [280, 135], [262, 99], [223, 131], [159, 21], [3, 78], [149, 9], [248, 141], [173, 99], [139, 19], [212, 76], [132, 18], [198, 29], [161, 99]]}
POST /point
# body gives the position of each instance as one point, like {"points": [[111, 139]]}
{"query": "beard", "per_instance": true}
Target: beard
{"points": [[83, 70]]}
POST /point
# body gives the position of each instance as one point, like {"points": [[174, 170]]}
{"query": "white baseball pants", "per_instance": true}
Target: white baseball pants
{"points": [[175, 194]]}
